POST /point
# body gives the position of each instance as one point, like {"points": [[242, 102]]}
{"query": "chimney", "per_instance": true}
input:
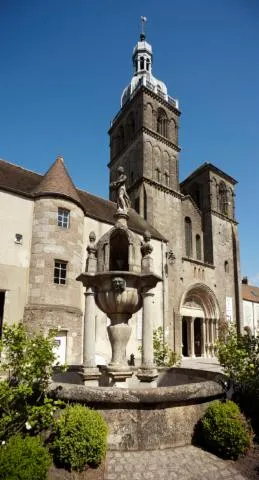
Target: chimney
{"points": [[245, 280]]}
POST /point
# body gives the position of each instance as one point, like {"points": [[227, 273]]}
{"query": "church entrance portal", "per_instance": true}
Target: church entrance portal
{"points": [[200, 316]]}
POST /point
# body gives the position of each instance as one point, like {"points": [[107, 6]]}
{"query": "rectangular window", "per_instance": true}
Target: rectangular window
{"points": [[60, 272], [63, 217]]}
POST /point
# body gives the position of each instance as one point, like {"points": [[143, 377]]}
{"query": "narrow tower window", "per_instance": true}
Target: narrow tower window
{"points": [[142, 63], [198, 247], [223, 198], [161, 122], [188, 236]]}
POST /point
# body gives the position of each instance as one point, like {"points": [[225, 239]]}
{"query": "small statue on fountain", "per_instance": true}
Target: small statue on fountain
{"points": [[123, 200]]}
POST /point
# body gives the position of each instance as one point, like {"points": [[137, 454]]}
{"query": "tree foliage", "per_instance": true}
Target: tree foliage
{"points": [[239, 357], [27, 361], [163, 355]]}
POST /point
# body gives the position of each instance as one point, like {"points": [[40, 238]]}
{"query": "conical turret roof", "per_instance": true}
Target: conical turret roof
{"points": [[57, 181]]}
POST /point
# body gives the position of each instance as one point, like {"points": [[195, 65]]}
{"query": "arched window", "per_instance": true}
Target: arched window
{"points": [[161, 122], [130, 126], [166, 179], [158, 175], [198, 247], [188, 236], [148, 64], [119, 251], [142, 63], [226, 266], [223, 198]]}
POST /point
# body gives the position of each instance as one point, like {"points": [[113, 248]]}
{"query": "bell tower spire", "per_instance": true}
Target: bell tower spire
{"points": [[144, 139]]}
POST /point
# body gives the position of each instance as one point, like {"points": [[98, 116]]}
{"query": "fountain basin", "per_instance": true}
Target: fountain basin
{"points": [[150, 418]]}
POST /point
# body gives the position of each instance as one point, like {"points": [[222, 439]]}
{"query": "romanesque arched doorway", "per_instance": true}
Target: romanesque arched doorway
{"points": [[200, 315]]}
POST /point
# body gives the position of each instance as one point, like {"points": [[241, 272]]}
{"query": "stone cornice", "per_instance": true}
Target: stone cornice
{"points": [[198, 262], [155, 184], [152, 94], [223, 217], [152, 134], [162, 139], [55, 308], [161, 100]]}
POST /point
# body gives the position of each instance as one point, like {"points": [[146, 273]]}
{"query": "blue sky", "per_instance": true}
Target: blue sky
{"points": [[64, 64]]}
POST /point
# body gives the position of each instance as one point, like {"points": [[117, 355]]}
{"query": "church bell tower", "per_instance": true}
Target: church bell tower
{"points": [[144, 140]]}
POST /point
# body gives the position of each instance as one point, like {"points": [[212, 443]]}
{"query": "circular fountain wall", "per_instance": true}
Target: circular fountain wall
{"points": [[150, 418]]}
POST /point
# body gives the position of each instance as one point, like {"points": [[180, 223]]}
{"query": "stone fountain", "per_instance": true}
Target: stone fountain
{"points": [[119, 278]]}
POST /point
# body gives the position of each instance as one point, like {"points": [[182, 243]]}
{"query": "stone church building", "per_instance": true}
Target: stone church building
{"points": [[46, 222]]}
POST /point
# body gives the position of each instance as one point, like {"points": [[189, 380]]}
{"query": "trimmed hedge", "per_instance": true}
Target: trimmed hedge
{"points": [[79, 438], [24, 459], [224, 430]]}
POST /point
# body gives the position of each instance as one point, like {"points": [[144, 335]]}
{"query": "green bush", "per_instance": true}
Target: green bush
{"points": [[224, 430], [79, 438], [24, 459]]}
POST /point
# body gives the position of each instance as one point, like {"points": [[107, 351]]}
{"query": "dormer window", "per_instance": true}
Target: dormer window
{"points": [[63, 217]]}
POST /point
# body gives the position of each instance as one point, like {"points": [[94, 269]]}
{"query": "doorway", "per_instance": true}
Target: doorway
{"points": [[184, 337]]}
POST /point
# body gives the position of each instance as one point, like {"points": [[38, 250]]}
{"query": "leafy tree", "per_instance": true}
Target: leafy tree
{"points": [[239, 357], [163, 355], [27, 360]]}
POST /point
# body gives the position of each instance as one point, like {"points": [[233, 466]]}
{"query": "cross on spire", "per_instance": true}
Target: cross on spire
{"points": [[143, 21]]}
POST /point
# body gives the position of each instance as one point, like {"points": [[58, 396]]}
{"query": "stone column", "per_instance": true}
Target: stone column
{"points": [[191, 337], [212, 336], [207, 343], [203, 333], [147, 372], [90, 372]]}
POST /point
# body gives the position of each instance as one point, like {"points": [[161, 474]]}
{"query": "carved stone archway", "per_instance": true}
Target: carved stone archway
{"points": [[200, 316]]}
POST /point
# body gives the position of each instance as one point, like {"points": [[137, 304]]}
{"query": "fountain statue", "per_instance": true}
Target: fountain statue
{"points": [[119, 278]]}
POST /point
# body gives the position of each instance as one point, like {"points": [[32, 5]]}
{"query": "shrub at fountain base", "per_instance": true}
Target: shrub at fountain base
{"points": [[79, 438], [24, 459], [225, 431]]}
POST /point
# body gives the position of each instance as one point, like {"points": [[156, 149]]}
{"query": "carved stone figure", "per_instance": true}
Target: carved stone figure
{"points": [[123, 200], [118, 284]]}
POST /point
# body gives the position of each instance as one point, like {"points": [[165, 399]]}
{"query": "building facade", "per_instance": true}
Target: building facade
{"points": [[46, 222], [250, 296]]}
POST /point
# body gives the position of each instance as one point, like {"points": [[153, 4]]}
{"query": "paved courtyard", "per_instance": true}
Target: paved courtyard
{"points": [[201, 363], [182, 463]]}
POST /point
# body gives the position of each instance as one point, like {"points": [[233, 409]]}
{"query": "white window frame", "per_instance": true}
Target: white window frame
{"points": [[60, 272], [63, 218]]}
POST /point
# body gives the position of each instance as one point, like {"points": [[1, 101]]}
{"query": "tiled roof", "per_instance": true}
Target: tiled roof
{"points": [[57, 180], [250, 293], [24, 182]]}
